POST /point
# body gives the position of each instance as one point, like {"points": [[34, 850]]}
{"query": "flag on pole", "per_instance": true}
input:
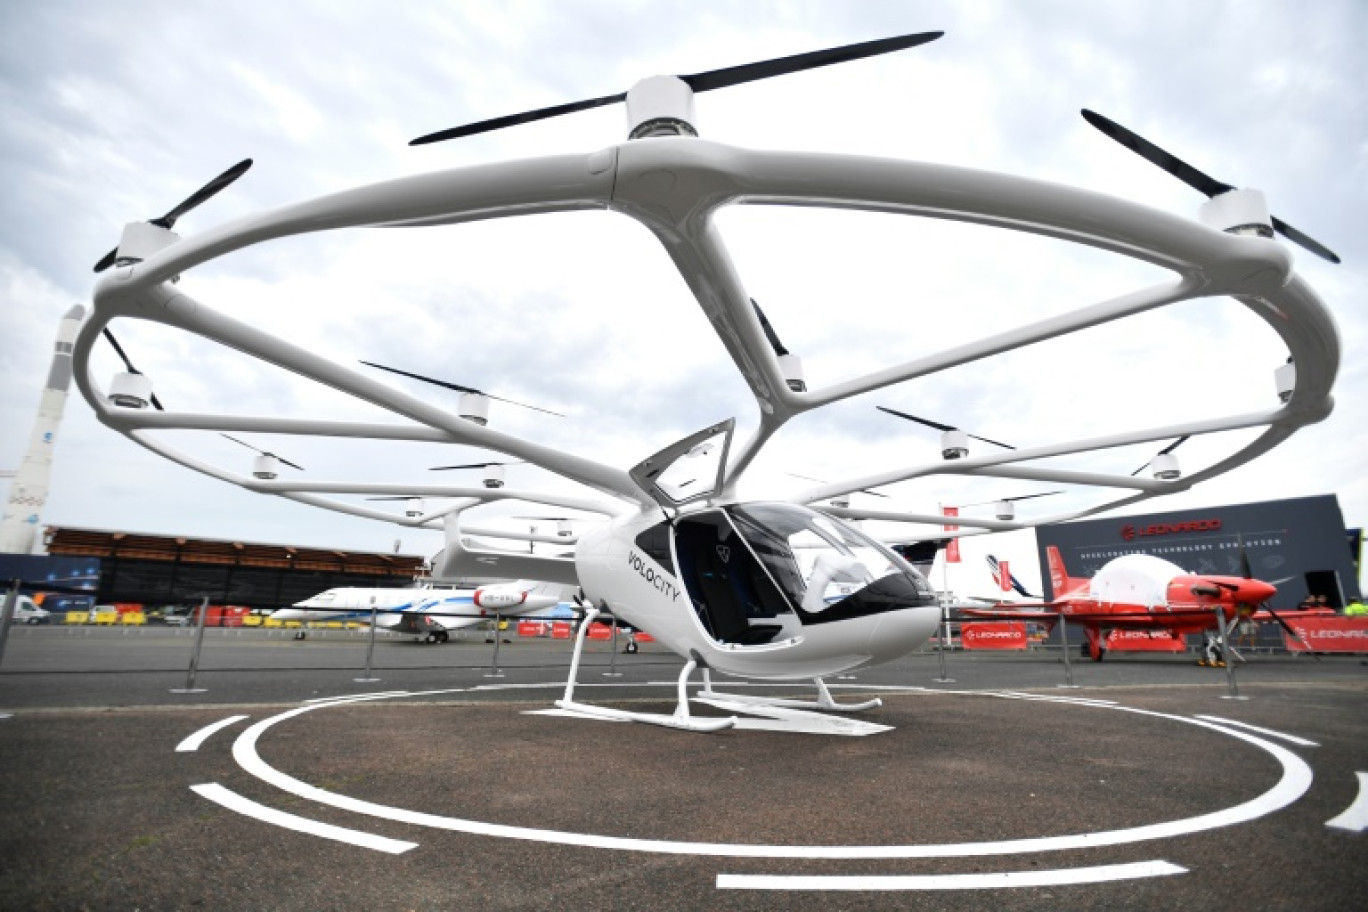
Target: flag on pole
{"points": [[1004, 576]]}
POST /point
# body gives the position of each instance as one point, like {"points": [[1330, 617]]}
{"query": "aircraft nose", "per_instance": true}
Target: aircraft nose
{"points": [[1256, 591]]}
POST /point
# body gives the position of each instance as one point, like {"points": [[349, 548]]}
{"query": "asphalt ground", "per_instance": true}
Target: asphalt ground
{"points": [[995, 788]]}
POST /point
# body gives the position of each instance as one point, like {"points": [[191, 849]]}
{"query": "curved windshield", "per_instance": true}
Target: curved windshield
{"points": [[816, 560]]}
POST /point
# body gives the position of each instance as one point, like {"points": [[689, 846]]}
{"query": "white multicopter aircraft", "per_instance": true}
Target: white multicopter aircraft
{"points": [[427, 612], [776, 590]]}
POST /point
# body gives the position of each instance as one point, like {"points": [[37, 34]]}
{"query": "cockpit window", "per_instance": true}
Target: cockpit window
{"points": [[815, 560]]}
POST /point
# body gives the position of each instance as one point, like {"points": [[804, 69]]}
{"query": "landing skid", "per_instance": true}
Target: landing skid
{"points": [[680, 718], [824, 699]]}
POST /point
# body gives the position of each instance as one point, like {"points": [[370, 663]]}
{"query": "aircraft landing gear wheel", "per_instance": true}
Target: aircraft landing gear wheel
{"points": [[443, 637], [431, 638]]}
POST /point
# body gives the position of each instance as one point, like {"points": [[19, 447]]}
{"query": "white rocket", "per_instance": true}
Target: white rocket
{"points": [[29, 489]]}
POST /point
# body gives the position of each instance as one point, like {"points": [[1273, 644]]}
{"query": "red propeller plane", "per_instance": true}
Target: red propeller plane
{"points": [[1136, 592]]}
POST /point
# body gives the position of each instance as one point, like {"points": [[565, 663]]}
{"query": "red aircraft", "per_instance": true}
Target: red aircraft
{"points": [[1136, 592]]}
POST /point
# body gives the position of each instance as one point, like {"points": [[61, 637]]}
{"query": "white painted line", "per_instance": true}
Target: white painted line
{"points": [[1355, 817], [248, 808], [193, 742], [1296, 779], [1063, 877], [356, 698], [1292, 739]]}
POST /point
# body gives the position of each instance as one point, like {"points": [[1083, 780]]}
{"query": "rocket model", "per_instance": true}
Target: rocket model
{"points": [[29, 489]]}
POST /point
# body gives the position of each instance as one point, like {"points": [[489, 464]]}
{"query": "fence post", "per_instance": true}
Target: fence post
{"points": [[190, 687]]}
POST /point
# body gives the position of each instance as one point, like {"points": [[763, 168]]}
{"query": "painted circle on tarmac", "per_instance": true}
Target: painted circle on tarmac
{"points": [[1295, 781]]}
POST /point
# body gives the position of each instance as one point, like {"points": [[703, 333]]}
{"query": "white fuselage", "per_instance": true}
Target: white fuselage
{"points": [[613, 568], [446, 609]]}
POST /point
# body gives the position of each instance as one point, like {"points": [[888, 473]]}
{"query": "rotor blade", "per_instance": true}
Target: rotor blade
{"points": [[769, 331], [283, 461], [107, 260], [1296, 237], [461, 389], [1168, 449], [119, 348], [1029, 496], [473, 465], [398, 497], [1171, 163], [699, 82], [203, 194], [451, 386], [156, 403], [243, 443], [512, 120], [942, 427], [780, 66]]}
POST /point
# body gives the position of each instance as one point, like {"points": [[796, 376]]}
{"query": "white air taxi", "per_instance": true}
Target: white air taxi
{"points": [[766, 589]]}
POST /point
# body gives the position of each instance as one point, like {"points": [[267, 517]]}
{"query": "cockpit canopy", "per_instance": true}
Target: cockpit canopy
{"points": [[753, 569]]}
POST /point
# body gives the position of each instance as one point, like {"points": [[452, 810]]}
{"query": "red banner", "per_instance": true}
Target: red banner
{"points": [[1144, 641], [533, 628], [1004, 576], [1008, 635], [560, 630], [1326, 634], [951, 511], [600, 631], [952, 551]]}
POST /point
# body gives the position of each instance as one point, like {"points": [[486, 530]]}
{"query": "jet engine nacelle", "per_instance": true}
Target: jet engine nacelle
{"points": [[496, 600]]}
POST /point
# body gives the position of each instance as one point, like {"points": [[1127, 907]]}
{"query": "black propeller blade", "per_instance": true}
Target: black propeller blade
{"points": [[200, 196], [473, 465], [941, 427], [459, 388], [1189, 175], [1013, 499], [701, 82], [396, 496], [769, 331], [156, 403], [1248, 573], [279, 459], [1168, 449]]}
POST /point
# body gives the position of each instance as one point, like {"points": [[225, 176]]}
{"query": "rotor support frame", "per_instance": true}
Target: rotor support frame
{"points": [[675, 187]]}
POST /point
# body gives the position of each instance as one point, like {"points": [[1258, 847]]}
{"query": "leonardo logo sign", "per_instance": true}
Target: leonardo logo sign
{"points": [[1129, 532]]}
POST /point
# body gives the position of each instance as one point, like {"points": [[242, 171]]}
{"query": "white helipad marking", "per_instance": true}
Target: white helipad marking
{"points": [[1064, 877], [1293, 739], [245, 806], [1296, 779], [1355, 817], [193, 742]]}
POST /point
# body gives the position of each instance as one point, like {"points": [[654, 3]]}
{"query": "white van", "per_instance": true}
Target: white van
{"points": [[26, 612]]}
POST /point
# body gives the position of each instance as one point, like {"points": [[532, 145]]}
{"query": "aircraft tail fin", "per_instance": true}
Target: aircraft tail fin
{"points": [[1060, 581], [1017, 585]]}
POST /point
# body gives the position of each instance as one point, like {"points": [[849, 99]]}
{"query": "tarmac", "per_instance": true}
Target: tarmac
{"points": [[285, 783]]}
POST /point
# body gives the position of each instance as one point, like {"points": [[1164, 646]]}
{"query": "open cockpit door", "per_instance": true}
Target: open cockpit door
{"points": [[688, 470]]}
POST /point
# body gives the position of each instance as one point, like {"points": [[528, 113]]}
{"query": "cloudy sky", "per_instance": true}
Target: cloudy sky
{"points": [[113, 113]]}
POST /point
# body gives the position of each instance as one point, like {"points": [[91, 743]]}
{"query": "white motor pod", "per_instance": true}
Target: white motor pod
{"points": [[563, 528], [494, 475], [791, 366], [1004, 510], [142, 239], [413, 508], [265, 467], [1165, 467], [660, 106], [475, 407], [1285, 378], [954, 444], [1238, 212], [129, 390]]}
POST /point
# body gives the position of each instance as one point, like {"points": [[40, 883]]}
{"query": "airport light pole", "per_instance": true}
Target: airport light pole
{"points": [[190, 687]]}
